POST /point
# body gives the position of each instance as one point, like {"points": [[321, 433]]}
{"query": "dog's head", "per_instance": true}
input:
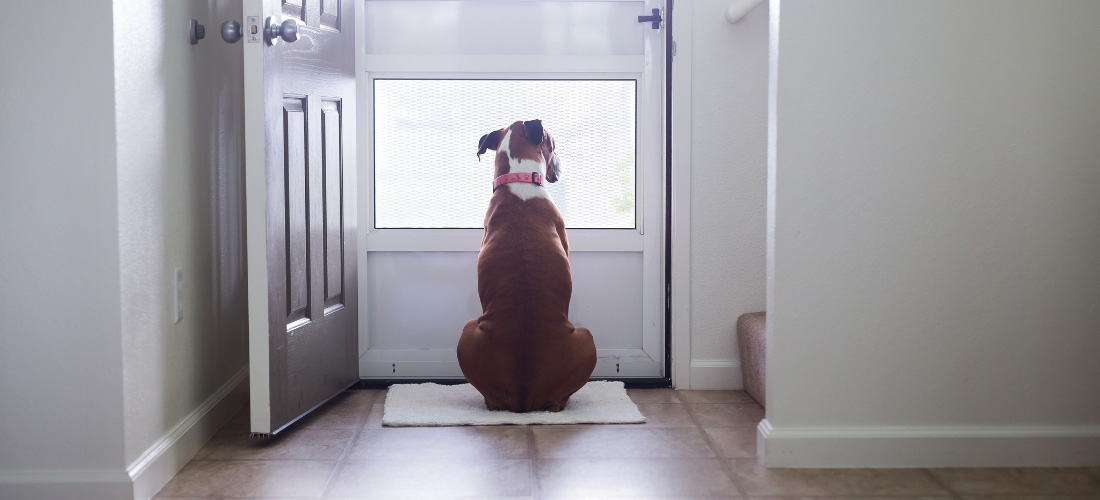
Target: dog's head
{"points": [[519, 142]]}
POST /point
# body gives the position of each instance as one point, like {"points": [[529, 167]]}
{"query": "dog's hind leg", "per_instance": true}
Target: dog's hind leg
{"points": [[581, 352], [475, 362]]}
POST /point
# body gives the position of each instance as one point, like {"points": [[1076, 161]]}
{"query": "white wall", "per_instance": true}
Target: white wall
{"points": [[934, 292], [728, 183], [180, 184], [102, 395], [60, 358], [180, 205]]}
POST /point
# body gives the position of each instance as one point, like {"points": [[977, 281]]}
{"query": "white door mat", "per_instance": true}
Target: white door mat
{"points": [[425, 405]]}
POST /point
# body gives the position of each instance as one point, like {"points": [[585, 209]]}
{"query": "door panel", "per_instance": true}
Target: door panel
{"points": [[293, 9], [417, 303], [330, 14], [297, 213], [303, 347], [333, 202]]}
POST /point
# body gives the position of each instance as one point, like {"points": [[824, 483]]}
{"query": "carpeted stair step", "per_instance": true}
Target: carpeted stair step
{"points": [[750, 344]]}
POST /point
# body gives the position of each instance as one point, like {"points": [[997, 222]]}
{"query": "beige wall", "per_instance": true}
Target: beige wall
{"points": [[728, 183], [934, 293], [122, 162], [180, 185], [60, 359]]}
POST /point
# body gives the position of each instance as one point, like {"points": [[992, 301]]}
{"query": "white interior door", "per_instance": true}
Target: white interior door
{"points": [[436, 75]]}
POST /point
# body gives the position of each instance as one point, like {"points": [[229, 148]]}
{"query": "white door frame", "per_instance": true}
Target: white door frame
{"points": [[679, 205]]}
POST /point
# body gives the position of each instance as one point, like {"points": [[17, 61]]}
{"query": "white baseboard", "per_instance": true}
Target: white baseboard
{"points": [[1000, 446], [149, 473], [99, 484], [716, 374], [154, 468]]}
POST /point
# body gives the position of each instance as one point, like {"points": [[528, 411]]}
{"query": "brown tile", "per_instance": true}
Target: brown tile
{"points": [[249, 478], [620, 442], [241, 420], [652, 395], [611, 478], [432, 478], [1021, 481], [442, 496], [442, 442], [341, 412], [755, 479], [738, 416], [1029, 497], [716, 397], [345, 411], [665, 415], [370, 396], [374, 417], [600, 496], [299, 444], [733, 443], [857, 498]]}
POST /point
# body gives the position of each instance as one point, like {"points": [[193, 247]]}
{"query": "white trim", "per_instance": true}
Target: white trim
{"points": [[364, 123], [469, 240], [85, 484], [256, 228], [443, 363], [769, 226], [403, 63], [939, 446], [647, 70], [716, 374], [681, 197], [511, 0], [63, 476], [146, 475], [154, 468], [763, 433]]}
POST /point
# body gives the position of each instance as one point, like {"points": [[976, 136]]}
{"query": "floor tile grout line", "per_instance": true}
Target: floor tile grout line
{"points": [[713, 447], [348, 447], [531, 453], [942, 484]]}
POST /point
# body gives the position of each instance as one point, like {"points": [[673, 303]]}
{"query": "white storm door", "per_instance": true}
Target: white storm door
{"points": [[434, 76]]}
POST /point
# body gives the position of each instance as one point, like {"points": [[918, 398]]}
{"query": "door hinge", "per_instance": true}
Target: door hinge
{"points": [[674, 48], [655, 19]]}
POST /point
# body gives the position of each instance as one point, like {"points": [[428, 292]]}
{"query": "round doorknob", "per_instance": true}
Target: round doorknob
{"points": [[287, 30], [231, 31]]}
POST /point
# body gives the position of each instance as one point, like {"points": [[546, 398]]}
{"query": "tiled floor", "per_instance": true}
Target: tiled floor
{"points": [[695, 444]]}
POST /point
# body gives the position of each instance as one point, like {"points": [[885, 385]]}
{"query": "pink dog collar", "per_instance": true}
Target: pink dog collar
{"points": [[532, 178]]}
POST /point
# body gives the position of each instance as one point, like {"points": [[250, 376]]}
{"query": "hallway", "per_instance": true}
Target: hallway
{"points": [[694, 444]]}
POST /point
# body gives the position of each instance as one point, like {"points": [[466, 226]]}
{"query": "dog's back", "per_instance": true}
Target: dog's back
{"points": [[523, 353]]}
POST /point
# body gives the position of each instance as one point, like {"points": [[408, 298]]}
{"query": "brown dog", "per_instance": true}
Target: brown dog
{"points": [[522, 353]]}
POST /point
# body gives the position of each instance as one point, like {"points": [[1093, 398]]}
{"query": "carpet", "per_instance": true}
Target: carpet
{"points": [[425, 405]]}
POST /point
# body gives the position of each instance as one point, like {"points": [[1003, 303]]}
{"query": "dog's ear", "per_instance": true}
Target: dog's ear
{"points": [[489, 141], [553, 165], [533, 130]]}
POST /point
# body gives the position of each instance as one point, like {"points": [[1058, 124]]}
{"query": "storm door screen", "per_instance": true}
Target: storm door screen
{"points": [[593, 121], [435, 77]]}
